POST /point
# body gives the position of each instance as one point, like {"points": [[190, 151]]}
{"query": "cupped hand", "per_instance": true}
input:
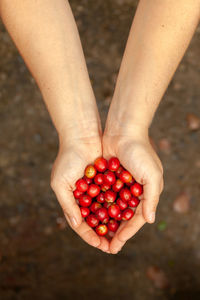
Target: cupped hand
{"points": [[68, 167], [138, 157]]}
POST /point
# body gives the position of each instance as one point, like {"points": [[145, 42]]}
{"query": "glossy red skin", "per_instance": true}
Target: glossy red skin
{"points": [[122, 204], [102, 214], [85, 200], [88, 180], [109, 177], [113, 210], [77, 194], [101, 164], [85, 211], [95, 206], [105, 187], [110, 196], [81, 185], [118, 185], [119, 217], [101, 198], [93, 190], [113, 225], [101, 229], [118, 172], [131, 182], [113, 164], [125, 176], [90, 171], [106, 204], [136, 189], [98, 179], [127, 214], [105, 221], [133, 202], [92, 220], [125, 194]]}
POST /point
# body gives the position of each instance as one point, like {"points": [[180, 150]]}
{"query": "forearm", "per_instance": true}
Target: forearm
{"points": [[160, 34], [46, 35]]}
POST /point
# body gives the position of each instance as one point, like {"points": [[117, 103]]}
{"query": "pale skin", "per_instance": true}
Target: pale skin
{"points": [[46, 36]]}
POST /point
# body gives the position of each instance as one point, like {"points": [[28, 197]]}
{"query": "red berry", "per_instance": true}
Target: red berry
{"points": [[92, 220], [107, 204], [131, 182], [110, 196], [77, 194], [85, 212], [85, 200], [118, 185], [127, 214], [101, 164], [105, 221], [101, 198], [125, 176], [90, 171], [113, 164], [109, 177], [113, 210], [119, 217], [105, 187], [113, 225], [102, 214], [122, 204], [133, 202], [101, 229], [98, 179], [81, 185], [136, 189], [93, 190], [88, 180], [125, 194], [95, 206], [118, 172]]}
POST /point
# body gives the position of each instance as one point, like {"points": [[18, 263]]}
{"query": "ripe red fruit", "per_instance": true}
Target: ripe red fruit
{"points": [[110, 196], [136, 189], [77, 194], [95, 206], [85, 200], [93, 190], [113, 210], [118, 185], [119, 217], [81, 185], [127, 214], [88, 180], [105, 221], [122, 204], [90, 171], [131, 182], [105, 187], [109, 177], [125, 176], [133, 202], [101, 164], [102, 214], [101, 198], [98, 179], [101, 229], [113, 164], [92, 220], [113, 225], [85, 211], [118, 172], [125, 194], [107, 204]]}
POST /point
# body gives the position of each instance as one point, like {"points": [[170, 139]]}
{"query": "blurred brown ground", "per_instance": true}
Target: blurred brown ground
{"points": [[39, 259]]}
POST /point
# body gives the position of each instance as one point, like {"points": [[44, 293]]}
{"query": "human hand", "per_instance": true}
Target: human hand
{"points": [[138, 157]]}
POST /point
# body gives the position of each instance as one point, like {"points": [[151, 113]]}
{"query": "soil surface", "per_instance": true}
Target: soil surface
{"points": [[40, 256]]}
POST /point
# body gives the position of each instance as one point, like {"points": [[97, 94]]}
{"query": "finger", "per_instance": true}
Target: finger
{"points": [[68, 203], [127, 230]]}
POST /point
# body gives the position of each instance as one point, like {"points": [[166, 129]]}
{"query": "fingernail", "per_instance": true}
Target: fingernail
{"points": [[152, 216], [73, 221]]}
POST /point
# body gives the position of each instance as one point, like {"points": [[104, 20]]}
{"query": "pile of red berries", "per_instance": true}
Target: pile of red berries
{"points": [[107, 194]]}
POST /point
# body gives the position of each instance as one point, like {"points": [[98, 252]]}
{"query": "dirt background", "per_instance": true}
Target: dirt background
{"points": [[40, 257]]}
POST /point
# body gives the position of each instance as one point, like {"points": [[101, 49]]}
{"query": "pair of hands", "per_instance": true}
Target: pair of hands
{"points": [[135, 154]]}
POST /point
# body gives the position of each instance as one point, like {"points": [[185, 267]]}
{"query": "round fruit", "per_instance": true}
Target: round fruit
{"points": [[113, 225], [102, 214], [105, 187], [90, 171], [101, 198], [119, 217], [133, 202], [136, 189], [107, 204], [109, 177], [125, 176], [85, 212], [113, 164], [125, 194], [101, 229], [118, 185], [131, 182], [95, 206], [85, 200], [81, 185], [98, 179], [77, 194], [110, 196], [118, 172], [127, 214], [105, 221], [92, 220], [113, 210], [101, 164], [122, 204], [93, 190], [88, 180]]}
